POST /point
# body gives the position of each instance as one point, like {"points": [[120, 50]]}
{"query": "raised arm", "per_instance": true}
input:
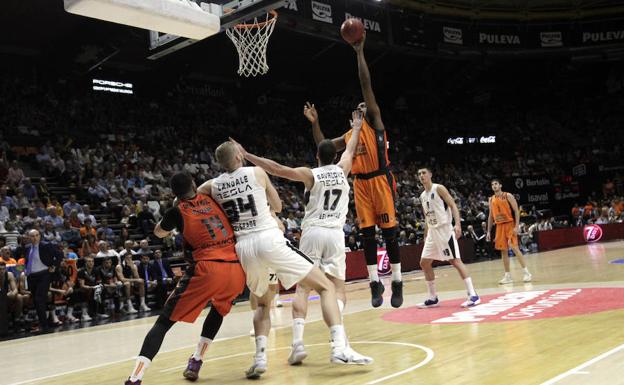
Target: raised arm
{"points": [[299, 174], [309, 111], [372, 107], [346, 160], [489, 224], [450, 202], [274, 200]]}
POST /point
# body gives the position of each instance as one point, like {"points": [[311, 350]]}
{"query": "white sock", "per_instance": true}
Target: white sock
{"points": [[261, 345], [471, 290], [129, 304], [432, 290], [372, 273], [140, 365], [507, 274], [143, 301], [526, 270], [54, 316], [396, 272], [202, 346], [297, 330], [337, 336]]}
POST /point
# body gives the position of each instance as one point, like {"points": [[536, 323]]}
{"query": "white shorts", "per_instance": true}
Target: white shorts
{"points": [[441, 244], [265, 252], [326, 247]]}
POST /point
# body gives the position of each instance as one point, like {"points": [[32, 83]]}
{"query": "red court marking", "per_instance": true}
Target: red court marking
{"points": [[517, 306]]}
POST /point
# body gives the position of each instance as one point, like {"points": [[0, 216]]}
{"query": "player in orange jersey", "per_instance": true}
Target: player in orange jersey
{"points": [[504, 212], [215, 274], [374, 185]]}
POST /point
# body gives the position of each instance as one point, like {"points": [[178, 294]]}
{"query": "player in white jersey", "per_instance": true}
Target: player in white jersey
{"points": [[249, 199], [441, 237], [326, 207]]}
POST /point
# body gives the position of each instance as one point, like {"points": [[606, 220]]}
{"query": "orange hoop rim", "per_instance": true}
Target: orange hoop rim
{"points": [[258, 25]]}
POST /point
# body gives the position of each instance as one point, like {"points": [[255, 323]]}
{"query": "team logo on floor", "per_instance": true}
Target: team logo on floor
{"points": [[519, 306], [592, 233]]}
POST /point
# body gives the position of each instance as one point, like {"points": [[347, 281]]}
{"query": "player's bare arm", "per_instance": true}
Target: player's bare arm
{"points": [[309, 111], [514, 207], [346, 160], [489, 223], [299, 174], [205, 188], [448, 199], [372, 107], [272, 196]]}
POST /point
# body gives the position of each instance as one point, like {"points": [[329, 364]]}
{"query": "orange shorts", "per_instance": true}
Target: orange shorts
{"points": [[505, 237], [374, 202], [204, 281]]}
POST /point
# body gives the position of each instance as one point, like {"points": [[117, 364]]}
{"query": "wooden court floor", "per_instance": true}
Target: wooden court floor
{"points": [[576, 337]]}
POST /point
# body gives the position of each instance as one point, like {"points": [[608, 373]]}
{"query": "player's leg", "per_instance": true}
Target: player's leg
{"points": [[299, 312], [366, 217], [141, 287], [452, 249], [513, 243], [262, 327], [429, 253], [386, 220], [151, 344], [501, 243], [227, 280]]}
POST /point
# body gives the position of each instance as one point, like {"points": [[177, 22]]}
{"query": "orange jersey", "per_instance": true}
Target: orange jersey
{"points": [[372, 150], [207, 229], [501, 209]]}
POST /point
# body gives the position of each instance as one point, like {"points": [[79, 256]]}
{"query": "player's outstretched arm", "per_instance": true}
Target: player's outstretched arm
{"points": [[272, 196], [448, 199], [372, 107], [346, 160], [309, 111], [299, 174]]}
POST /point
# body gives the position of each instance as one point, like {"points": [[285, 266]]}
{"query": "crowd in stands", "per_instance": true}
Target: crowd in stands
{"points": [[114, 155]]}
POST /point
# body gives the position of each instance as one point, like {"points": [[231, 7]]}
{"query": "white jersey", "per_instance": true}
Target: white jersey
{"points": [[327, 202], [437, 213], [244, 201]]}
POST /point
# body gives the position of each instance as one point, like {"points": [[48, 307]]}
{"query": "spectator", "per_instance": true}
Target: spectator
{"points": [[43, 190], [71, 205], [8, 285], [31, 218], [144, 248], [87, 229], [124, 235], [86, 213], [71, 236], [41, 260], [74, 220], [164, 276], [7, 256], [15, 175], [353, 244], [50, 234], [10, 235], [105, 231], [402, 238], [30, 192], [128, 246], [147, 274], [603, 219], [40, 209], [146, 220], [6, 200], [291, 222], [89, 246], [52, 216], [106, 252]]}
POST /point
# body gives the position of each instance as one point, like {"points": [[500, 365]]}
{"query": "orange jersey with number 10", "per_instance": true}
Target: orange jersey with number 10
{"points": [[372, 147], [501, 209]]}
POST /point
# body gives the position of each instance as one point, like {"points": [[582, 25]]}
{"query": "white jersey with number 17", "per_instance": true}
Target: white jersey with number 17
{"points": [[244, 201], [327, 202]]}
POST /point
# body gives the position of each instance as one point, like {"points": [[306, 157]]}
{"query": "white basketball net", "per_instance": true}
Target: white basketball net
{"points": [[251, 42]]}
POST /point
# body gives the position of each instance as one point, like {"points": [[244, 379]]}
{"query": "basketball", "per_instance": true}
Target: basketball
{"points": [[352, 30]]}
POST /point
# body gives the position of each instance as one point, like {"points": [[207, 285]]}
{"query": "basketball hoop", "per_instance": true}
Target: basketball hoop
{"points": [[251, 42]]}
